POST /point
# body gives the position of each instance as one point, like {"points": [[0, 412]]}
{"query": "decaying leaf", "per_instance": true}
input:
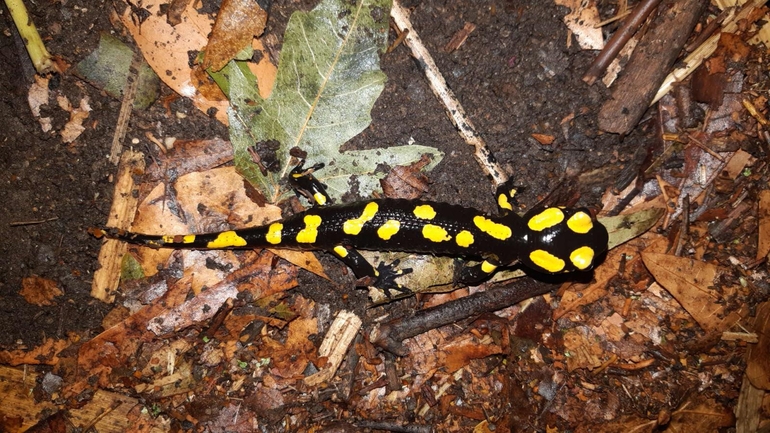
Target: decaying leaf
{"points": [[74, 126], [459, 353], [39, 291], [257, 275], [290, 359], [582, 20], [757, 367], [693, 283], [328, 79], [583, 348], [167, 49], [45, 354], [107, 68], [238, 22], [406, 181], [623, 228]]}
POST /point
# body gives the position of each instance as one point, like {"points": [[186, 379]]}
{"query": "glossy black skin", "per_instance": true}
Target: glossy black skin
{"points": [[558, 240]]}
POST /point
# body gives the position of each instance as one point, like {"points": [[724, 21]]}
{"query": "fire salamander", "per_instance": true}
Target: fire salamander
{"points": [[551, 240]]}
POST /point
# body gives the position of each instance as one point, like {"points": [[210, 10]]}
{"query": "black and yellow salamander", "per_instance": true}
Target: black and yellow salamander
{"points": [[551, 240]]}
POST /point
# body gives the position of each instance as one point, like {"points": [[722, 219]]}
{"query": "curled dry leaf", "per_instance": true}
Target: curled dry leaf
{"points": [[74, 126]]}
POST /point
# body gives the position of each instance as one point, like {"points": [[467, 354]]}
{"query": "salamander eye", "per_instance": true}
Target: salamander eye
{"points": [[563, 240]]}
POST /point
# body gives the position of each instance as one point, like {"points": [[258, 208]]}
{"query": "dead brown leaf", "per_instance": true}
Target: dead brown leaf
{"points": [[583, 347], [757, 367], [544, 139], [291, 358], [238, 22], [709, 415], [39, 291], [460, 353], [74, 127], [113, 347], [259, 275], [734, 47], [406, 181], [45, 354], [166, 48], [693, 283]]}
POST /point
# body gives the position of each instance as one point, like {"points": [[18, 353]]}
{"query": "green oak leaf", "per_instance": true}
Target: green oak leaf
{"points": [[327, 82]]}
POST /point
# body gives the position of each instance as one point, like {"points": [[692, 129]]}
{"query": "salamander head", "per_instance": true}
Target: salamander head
{"points": [[563, 240]]}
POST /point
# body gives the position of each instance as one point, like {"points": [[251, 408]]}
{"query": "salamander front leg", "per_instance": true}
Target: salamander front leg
{"points": [[307, 185], [506, 196], [383, 278], [473, 275]]}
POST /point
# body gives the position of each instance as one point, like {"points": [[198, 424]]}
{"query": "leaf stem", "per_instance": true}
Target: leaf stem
{"points": [[39, 55]]}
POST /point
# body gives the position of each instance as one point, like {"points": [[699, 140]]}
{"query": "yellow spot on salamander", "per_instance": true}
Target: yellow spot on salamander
{"points": [[487, 267], [464, 239], [320, 199], [503, 203], [496, 230], [580, 223], [341, 251], [353, 227], [309, 234], [387, 230], [227, 239], [274, 233], [545, 219], [425, 212], [546, 260], [582, 257], [435, 233]]}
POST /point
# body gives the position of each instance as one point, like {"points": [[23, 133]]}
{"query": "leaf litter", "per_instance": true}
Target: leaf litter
{"points": [[327, 81]]}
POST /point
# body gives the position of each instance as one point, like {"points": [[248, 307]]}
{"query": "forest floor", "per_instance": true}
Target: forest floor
{"points": [[613, 353]]}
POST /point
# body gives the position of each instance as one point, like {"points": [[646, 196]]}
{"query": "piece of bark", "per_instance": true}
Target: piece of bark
{"points": [[652, 60], [619, 39], [389, 336], [122, 212]]}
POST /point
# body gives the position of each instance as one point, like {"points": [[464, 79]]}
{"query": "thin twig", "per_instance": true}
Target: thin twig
{"points": [[619, 39], [33, 222], [684, 230], [698, 143], [437, 83]]}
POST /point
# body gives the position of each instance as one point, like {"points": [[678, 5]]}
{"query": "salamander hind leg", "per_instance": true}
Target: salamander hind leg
{"points": [[474, 275], [386, 278], [383, 277]]}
